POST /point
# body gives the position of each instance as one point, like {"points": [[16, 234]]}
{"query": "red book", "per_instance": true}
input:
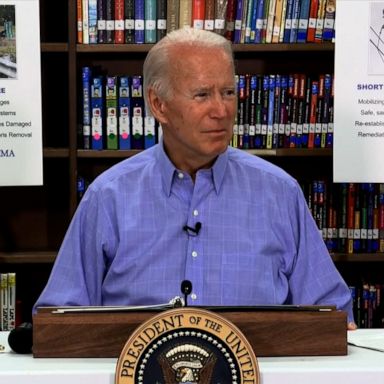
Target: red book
{"points": [[119, 21], [312, 21], [230, 20], [198, 14]]}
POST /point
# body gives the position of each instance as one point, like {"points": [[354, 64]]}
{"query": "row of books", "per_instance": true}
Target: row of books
{"points": [[114, 113], [368, 306], [7, 301], [350, 216], [284, 111], [274, 111], [240, 21]]}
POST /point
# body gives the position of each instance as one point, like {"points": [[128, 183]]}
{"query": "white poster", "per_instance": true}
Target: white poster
{"points": [[359, 91], [20, 94]]}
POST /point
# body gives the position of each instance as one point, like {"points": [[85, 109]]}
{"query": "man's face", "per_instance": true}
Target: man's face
{"points": [[198, 119]]}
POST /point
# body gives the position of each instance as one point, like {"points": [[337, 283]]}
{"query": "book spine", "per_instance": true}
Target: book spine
{"points": [[124, 113], [312, 115], [4, 301], [92, 21], [101, 22], [329, 141], [306, 112], [172, 15], [238, 21], [185, 13], [329, 20], [149, 130], [137, 108], [288, 21], [356, 243], [110, 21], [258, 111], [85, 22], [252, 110], [111, 112], [11, 301], [259, 21], [161, 16], [150, 21], [294, 111], [270, 21], [230, 18], [264, 111], [220, 12], [240, 110], [119, 22], [320, 21], [139, 21], [295, 21], [271, 109], [129, 16], [350, 216], [282, 24], [283, 116], [303, 21], [301, 111], [276, 110], [325, 112], [97, 113], [319, 111], [312, 21], [277, 21], [86, 79], [79, 19], [265, 20], [209, 18], [198, 14]]}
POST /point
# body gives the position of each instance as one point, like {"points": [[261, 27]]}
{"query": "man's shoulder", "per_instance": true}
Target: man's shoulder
{"points": [[257, 166], [128, 169]]}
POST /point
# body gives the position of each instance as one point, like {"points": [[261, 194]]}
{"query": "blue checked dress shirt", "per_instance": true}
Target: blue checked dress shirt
{"points": [[258, 242]]}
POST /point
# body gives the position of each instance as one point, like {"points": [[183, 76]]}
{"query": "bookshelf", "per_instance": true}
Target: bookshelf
{"points": [[33, 220]]}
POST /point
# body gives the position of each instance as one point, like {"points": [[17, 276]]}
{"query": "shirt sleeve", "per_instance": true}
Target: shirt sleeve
{"points": [[77, 274], [314, 279]]}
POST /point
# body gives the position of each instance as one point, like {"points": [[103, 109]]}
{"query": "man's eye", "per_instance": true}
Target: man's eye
{"points": [[229, 93], [201, 95]]}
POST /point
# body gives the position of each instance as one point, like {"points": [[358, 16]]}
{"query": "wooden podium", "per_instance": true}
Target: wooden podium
{"points": [[270, 333]]}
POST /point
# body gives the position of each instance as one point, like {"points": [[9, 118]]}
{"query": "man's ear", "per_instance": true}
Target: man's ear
{"points": [[157, 106]]}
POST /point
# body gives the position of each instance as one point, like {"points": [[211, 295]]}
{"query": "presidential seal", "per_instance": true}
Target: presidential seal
{"points": [[187, 345]]}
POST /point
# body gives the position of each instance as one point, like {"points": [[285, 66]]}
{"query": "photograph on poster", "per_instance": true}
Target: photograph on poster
{"points": [[376, 39], [8, 66]]}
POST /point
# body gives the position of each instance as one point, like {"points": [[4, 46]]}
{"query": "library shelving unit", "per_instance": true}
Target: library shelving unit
{"points": [[33, 220]]}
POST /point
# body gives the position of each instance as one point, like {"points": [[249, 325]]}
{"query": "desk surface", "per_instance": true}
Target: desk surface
{"points": [[359, 366]]}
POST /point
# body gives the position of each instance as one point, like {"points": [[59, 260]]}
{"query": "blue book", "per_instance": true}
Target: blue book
{"points": [[150, 21], [252, 23], [303, 21], [86, 80], [288, 21], [137, 113], [259, 21], [295, 21], [97, 112], [248, 22], [139, 21], [124, 113], [238, 21]]}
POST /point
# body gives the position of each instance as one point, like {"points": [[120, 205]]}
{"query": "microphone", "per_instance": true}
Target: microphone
{"points": [[20, 339], [194, 231], [186, 289]]}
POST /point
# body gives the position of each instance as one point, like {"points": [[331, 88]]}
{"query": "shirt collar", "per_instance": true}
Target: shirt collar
{"points": [[168, 170]]}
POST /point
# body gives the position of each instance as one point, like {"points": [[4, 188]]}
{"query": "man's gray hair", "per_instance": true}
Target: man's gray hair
{"points": [[157, 63]]}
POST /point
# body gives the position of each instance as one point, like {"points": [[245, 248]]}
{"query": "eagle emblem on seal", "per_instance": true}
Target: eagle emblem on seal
{"points": [[187, 364]]}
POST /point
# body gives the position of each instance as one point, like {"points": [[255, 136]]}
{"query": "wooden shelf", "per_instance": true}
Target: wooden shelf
{"points": [[56, 152], [358, 257], [118, 153], [308, 47], [54, 47], [38, 257]]}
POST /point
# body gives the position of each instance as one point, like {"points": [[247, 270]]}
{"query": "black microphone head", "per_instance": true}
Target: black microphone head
{"points": [[20, 339], [186, 287]]}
